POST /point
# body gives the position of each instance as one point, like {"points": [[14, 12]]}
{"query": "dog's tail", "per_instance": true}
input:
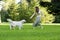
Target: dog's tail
{"points": [[9, 20]]}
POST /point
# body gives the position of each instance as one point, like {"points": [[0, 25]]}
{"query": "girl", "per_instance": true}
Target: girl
{"points": [[37, 21]]}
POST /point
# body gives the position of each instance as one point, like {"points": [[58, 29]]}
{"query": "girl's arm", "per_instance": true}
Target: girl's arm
{"points": [[32, 16]]}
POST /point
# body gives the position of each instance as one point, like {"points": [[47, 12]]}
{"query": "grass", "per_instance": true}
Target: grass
{"points": [[50, 32]]}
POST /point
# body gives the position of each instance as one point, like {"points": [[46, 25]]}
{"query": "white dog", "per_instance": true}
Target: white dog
{"points": [[13, 24]]}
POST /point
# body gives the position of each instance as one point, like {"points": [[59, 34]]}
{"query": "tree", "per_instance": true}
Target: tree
{"points": [[1, 8], [24, 9], [53, 8]]}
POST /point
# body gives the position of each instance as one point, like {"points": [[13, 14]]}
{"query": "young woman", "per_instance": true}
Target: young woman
{"points": [[37, 21]]}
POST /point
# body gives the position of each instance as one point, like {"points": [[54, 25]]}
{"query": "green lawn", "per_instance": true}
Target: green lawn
{"points": [[50, 32]]}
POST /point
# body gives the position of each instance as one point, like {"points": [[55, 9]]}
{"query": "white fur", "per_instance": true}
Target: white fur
{"points": [[13, 24]]}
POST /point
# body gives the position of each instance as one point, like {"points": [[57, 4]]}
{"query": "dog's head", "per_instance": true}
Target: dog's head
{"points": [[23, 21], [9, 20]]}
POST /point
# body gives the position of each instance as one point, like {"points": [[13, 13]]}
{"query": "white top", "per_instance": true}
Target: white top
{"points": [[39, 14]]}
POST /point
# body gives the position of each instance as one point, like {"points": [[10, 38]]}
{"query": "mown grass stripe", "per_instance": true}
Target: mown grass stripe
{"points": [[31, 24]]}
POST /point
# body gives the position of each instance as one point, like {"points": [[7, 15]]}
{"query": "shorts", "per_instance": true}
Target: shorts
{"points": [[37, 21]]}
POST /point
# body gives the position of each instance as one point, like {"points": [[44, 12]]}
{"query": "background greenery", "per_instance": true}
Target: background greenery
{"points": [[25, 9]]}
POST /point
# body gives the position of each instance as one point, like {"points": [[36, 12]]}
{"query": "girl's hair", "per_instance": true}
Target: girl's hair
{"points": [[37, 9]]}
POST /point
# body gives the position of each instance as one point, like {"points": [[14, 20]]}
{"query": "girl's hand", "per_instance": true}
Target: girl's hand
{"points": [[31, 17]]}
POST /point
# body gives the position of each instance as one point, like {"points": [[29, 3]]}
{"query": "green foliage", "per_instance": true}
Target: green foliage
{"points": [[25, 9], [53, 8], [22, 10], [48, 18]]}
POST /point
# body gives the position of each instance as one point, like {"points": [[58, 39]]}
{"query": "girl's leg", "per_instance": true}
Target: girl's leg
{"points": [[35, 24], [40, 26]]}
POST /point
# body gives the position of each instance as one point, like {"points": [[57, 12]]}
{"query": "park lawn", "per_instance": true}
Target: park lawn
{"points": [[50, 32]]}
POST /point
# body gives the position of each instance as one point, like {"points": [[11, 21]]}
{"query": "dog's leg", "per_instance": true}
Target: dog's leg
{"points": [[19, 27], [10, 27], [13, 27]]}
